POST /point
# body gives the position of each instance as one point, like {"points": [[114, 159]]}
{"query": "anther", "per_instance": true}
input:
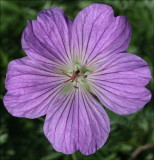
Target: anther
{"points": [[76, 87], [76, 72]]}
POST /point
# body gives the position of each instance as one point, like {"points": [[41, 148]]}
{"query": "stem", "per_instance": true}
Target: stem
{"points": [[139, 150], [74, 156]]}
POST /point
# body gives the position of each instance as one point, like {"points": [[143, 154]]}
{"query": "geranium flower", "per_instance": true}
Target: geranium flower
{"points": [[68, 65]]}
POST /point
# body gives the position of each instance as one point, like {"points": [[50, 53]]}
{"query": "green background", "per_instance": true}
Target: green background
{"points": [[23, 139]]}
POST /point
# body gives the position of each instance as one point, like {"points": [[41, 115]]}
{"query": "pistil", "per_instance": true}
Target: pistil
{"points": [[74, 77]]}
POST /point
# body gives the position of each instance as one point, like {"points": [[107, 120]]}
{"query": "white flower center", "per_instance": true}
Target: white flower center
{"points": [[77, 76]]}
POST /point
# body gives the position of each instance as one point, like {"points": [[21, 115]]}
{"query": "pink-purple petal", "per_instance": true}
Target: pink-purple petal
{"points": [[77, 122], [119, 83], [47, 39], [92, 45], [97, 33], [32, 88]]}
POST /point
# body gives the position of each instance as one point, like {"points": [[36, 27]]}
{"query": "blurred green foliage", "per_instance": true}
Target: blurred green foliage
{"points": [[23, 139]]}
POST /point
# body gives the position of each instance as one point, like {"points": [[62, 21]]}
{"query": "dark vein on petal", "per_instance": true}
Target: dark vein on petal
{"points": [[61, 37], [110, 81], [118, 71], [116, 102], [89, 99], [99, 52], [92, 101], [50, 95], [115, 37], [109, 66], [98, 41], [128, 98], [88, 118], [38, 85], [53, 42], [91, 31], [73, 107], [68, 117], [69, 97], [40, 91], [78, 122], [39, 75], [40, 54], [45, 47], [107, 103], [36, 68], [83, 32]]}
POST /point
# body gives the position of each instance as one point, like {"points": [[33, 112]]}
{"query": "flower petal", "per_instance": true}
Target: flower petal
{"points": [[77, 122], [97, 33], [47, 39], [119, 83], [32, 88]]}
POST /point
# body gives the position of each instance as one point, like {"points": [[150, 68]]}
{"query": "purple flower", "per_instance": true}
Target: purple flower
{"points": [[68, 65]]}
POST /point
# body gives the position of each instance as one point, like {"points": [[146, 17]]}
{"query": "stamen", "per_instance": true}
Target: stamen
{"points": [[67, 81], [74, 77], [76, 72], [66, 74], [76, 87]]}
